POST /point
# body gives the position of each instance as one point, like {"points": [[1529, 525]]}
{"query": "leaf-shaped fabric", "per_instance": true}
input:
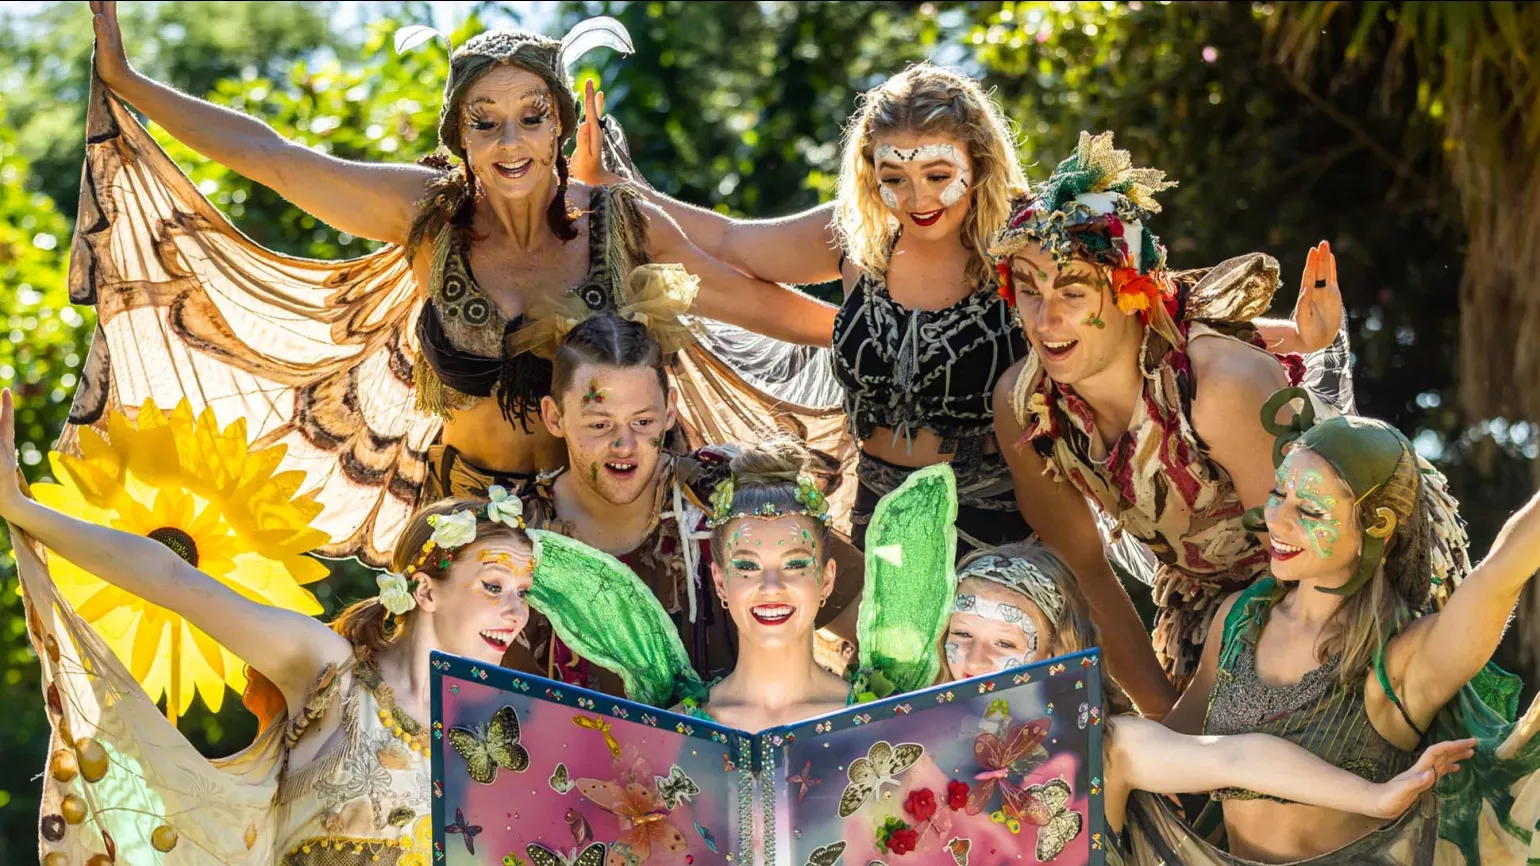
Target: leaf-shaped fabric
{"points": [[911, 548], [601, 609]]}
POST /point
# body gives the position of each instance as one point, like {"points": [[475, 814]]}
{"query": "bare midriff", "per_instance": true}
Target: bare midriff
{"points": [[485, 438], [1272, 832], [916, 450]]}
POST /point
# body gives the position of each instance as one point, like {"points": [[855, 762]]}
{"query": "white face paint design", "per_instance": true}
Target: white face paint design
{"points": [[954, 656], [953, 192], [1011, 662], [1009, 614]]}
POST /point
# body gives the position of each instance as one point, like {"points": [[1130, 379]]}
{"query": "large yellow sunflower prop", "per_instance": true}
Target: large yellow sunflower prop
{"points": [[203, 493]]}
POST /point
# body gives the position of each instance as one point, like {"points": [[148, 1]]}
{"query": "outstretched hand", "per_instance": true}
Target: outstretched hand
{"points": [[1318, 312], [588, 156], [111, 60], [10, 485], [1439, 760]]}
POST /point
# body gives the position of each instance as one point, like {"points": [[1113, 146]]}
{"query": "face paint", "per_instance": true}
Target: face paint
{"points": [[1009, 614], [1323, 529], [954, 656], [953, 192], [593, 472], [655, 441], [1093, 320], [618, 443], [1013, 661], [595, 394], [496, 556]]}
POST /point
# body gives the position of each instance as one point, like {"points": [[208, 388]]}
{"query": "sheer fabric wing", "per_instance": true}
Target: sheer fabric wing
{"points": [[217, 811], [911, 545], [317, 356], [601, 609]]}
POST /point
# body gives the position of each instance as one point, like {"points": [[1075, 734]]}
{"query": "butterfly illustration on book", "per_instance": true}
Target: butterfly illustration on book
{"points": [[603, 726], [560, 783], [1020, 751], [487, 747], [468, 831], [1047, 806], [642, 814], [539, 855], [804, 780], [676, 787], [828, 855], [882, 765], [959, 849]]}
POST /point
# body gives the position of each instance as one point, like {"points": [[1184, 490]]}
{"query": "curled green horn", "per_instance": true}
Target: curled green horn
{"points": [[1285, 433]]}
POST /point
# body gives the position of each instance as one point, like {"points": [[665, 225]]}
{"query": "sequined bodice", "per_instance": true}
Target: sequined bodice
{"points": [[365, 800]]}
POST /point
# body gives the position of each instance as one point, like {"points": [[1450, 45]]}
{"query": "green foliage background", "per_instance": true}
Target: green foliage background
{"points": [[741, 106]]}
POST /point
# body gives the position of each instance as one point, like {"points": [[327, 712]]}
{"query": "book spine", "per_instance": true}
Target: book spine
{"points": [[746, 784]]}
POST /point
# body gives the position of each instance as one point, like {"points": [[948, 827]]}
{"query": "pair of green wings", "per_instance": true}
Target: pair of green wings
{"points": [[606, 614]]}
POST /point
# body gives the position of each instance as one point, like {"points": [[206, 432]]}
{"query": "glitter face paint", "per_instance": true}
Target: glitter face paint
{"points": [[594, 395], [1009, 614], [953, 192]]}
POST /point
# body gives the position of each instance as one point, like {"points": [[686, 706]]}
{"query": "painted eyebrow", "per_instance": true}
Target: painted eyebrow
{"points": [[1064, 278]]}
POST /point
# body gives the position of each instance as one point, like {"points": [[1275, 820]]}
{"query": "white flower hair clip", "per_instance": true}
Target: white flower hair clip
{"points": [[504, 507], [395, 593], [453, 530]]}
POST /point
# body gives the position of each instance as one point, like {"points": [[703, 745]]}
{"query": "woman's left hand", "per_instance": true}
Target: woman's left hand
{"points": [[1318, 312]]}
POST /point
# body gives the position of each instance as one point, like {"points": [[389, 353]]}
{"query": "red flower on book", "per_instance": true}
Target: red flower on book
{"points": [[903, 841], [956, 795], [921, 804]]}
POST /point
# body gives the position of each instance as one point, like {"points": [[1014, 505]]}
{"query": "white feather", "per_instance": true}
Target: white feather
{"points": [[601, 32], [413, 35]]}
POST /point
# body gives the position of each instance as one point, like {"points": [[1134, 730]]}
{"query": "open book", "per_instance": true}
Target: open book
{"points": [[1004, 768]]}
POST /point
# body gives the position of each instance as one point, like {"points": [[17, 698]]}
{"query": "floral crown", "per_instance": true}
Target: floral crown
{"points": [[814, 503], [1093, 207], [450, 532]]}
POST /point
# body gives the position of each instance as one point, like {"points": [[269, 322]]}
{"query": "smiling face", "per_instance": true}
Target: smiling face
{"points": [[478, 606], [994, 628], [1312, 522], [613, 420], [925, 181], [1070, 317], [511, 131], [774, 574]]}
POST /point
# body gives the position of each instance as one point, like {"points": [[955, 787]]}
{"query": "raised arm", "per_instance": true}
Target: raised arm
{"points": [[1317, 311], [368, 200], [729, 295], [1063, 520], [797, 249], [1439, 653], [288, 648], [1145, 755]]}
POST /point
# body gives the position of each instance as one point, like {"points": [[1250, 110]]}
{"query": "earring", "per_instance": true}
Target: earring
{"points": [[823, 602], [724, 603]]}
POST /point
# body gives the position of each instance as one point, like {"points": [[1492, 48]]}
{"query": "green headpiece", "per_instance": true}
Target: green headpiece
{"points": [[548, 58], [1394, 489]]}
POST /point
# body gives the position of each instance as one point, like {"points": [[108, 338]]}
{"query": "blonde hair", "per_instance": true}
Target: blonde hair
{"points": [[926, 100]]}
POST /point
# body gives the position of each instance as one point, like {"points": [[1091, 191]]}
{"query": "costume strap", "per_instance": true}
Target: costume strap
{"points": [[911, 546], [604, 612]]}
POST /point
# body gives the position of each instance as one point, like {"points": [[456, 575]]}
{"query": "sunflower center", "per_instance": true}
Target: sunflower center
{"points": [[180, 543]]}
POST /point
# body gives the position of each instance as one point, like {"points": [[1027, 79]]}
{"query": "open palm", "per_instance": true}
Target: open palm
{"points": [[1318, 312]]}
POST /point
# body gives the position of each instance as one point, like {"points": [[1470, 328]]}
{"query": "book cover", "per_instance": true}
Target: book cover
{"points": [[998, 769]]}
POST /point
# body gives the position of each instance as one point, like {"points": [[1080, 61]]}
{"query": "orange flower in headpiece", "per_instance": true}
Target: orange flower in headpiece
{"points": [[1136, 292]]}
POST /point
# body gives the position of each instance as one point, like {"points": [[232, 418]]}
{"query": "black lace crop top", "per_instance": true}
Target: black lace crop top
{"points": [[465, 337], [930, 370]]}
